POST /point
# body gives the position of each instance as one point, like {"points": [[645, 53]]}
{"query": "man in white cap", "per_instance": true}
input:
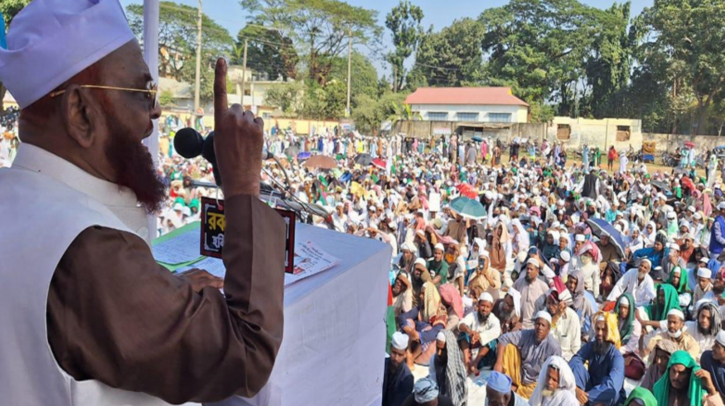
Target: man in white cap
{"points": [[531, 288], [421, 242], [477, 331], [437, 266], [636, 282], [95, 319], [520, 354], [675, 333], [447, 368], [397, 380], [407, 258]]}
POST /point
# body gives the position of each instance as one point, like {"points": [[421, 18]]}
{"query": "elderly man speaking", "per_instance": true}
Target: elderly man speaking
{"points": [[86, 314]]}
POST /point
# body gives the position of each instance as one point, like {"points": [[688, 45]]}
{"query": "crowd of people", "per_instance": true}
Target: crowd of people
{"points": [[570, 281]]}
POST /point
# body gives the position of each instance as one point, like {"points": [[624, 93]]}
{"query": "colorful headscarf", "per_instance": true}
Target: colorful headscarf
{"points": [[626, 331], [643, 394], [612, 321], [452, 297], [682, 286], [432, 301], [672, 301], [694, 391]]}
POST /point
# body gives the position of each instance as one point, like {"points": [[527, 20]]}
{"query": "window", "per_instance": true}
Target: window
{"points": [[437, 116], [499, 117], [563, 132], [623, 132], [467, 116]]}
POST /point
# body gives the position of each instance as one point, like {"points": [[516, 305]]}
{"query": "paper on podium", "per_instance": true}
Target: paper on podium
{"points": [[334, 329]]}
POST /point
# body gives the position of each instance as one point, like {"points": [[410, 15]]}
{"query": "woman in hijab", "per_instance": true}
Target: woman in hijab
{"points": [[640, 397], [629, 328], [556, 385], [650, 233], [520, 237], [635, 240], [501, 249]]}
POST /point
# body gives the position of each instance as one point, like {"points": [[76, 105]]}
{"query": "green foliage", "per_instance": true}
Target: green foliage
{"points": [[9, 8], [372, 112], [267, 51], [325, 102], [451, 57], [178, 41], [319, 27], [403, 21], [166, 98], [363, 78], [289, 97]]}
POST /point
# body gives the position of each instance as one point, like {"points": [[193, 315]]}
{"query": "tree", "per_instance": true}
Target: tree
{"points": [[9, 8], [289, 97], [684, 45], [268, 51], [372, 112], [404, 23], [363, 80], [325, 102], [319, 27], [178, 39], [451, 57], [538, 47]]}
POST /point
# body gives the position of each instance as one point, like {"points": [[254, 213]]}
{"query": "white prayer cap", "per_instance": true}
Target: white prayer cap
{"points": [[691, 209], [624, 301], [565, 255], [50, 41], [406, 247], [485, 297], [400, 341], [534, 262], [676, 312], [420, 261], [677, 270], [703, 273], [671, 215], [697, 216], [688, 236], [580, 238], [543, 315], [441, 337], [720, 337], [647, 261], [674, 246], [439, 247], [178, 207], [720, 206]]}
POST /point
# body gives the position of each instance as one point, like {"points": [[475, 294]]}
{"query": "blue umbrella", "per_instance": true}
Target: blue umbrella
{"points": [[468, 208], [303, 155], [601, 227]]}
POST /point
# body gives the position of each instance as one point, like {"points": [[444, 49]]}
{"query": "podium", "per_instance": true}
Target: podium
{"points": [[334, 329]]}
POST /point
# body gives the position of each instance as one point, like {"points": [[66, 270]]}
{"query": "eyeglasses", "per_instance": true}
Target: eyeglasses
{"points": [[151, 91]]}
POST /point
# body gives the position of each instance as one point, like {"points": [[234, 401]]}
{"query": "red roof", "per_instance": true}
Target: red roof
{"points": [[465, 95]]}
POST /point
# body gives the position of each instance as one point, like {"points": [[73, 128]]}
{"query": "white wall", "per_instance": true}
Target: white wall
{"points": [[519, 114]]}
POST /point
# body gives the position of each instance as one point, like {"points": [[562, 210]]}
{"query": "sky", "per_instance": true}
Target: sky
{"points": [[439, 13]]}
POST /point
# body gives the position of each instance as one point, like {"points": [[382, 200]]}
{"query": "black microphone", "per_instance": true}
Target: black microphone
{"points": [[190, 144]]}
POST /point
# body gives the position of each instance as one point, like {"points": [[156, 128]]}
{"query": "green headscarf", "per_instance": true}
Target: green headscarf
{"points": [[672, 301], [626, 331], [694, 391], [682, 288], [642, 394]]}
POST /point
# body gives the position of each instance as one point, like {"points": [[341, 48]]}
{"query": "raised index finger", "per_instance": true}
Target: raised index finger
{"points": [[220, 91]]}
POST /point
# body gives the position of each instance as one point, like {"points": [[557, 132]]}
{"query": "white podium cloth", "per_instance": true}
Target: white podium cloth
{"points": [[334, 329]]}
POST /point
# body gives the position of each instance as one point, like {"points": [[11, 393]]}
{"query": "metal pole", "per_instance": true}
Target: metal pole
{"points": [[197, 86], [151, 56], [244, 70], [349, 67]]}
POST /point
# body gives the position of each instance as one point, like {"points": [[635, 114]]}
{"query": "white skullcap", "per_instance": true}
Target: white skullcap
{"points": [[580, 238], [691, 209], [720, 338], [565, 255], [647, 261], [676, 312], [400, 341], [677, 270], [420, 261], [439, 247], [485, 297], [534, 262], [406, 247], [703, 273], [601, 318], [697, 216], [720, 206], [623, 301], [671, 215], [50, 41], [674, 246], [441, 337], [543, 315]]}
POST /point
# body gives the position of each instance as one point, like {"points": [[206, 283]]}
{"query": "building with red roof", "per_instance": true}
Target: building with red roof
{"points": [[468, 104]]}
